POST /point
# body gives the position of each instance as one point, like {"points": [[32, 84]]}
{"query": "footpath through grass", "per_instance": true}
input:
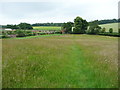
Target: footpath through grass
{"points": [[65, 61]]}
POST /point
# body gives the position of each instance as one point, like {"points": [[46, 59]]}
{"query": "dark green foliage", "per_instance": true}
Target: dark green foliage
{"points": [[5, 36], [80, 25], [110, 34], [20, 33], [58, 32], [4, 33], [94, 28], [108, 21], [10, 32], [60, 24], [12, 26], [67, 27], [42, 33], [119, 30], [25, 26], [28, 33], [111, 30], [103, 30]]}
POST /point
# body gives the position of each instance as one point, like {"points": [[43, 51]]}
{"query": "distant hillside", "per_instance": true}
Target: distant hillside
{"points": [[111, 25], [106, 21]]}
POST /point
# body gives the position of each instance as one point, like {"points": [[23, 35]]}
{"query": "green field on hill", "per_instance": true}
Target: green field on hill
{"points": [[111, 25], [46, 28], [63, 61]]}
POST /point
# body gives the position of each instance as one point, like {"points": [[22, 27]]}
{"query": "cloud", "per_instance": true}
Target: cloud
{"points": [[56, 10]]}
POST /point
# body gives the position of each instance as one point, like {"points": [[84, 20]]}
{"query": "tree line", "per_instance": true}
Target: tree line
{"points": [[60, 24], [29, 26], [47, 24], [23, 26], [81, 26], [107, 21]]}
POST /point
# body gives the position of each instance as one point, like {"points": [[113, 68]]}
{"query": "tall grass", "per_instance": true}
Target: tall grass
{"points": [[67, 61]]}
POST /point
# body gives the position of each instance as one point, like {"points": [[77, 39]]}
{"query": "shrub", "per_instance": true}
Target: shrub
{"points": [[4, 36], [20, 33], [10, 32], [29, 34], [94, 30], [111, 30], [119, 30], [58, 32], [42, 33], [110, 34], [103, 30]]}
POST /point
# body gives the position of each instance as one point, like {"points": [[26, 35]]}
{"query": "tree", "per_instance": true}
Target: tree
{"points": [[111, 30], [67, 27], [94, 28], [12, 26], [25, 26], [103, 30], [80, 25]]}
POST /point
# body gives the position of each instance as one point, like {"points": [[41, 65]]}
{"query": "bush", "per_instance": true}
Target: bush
{"points": [[94, 30], [103, 30], [110, 34], [58, 32], [29, 34], [119, 30], [111, 30], [42, 33], [4, 36], [20, 33]]}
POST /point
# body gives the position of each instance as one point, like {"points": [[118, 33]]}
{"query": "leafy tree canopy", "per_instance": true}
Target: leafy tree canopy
{"points": [[80, 25], [25, 26]]}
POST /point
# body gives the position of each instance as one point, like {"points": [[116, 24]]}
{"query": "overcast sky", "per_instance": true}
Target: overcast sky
{"points": [[41, 11]]}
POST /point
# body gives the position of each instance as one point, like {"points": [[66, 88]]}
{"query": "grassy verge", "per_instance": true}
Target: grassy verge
{"points": [[28, 37]]}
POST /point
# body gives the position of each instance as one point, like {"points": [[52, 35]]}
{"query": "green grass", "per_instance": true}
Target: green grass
{"points": [[64, 61], [46, 28], [111, 25]]}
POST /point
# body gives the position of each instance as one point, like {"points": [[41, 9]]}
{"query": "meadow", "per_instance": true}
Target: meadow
{"points": [[111, 25], [63, 61], [47, 28]]}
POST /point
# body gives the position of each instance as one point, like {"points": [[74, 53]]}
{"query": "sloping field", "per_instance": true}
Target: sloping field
{"points": [[66, 61], [108, 26], [46, 28]]}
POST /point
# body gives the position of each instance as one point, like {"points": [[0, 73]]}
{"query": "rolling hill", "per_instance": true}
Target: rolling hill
{"points": [[111, 25]]}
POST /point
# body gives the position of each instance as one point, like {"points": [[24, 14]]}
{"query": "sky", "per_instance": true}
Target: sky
{"points": [[57, 11]]}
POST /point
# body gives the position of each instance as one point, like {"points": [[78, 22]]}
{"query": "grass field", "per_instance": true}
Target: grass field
{"points": [[108, 26], [46, 28], [65, 61]]}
